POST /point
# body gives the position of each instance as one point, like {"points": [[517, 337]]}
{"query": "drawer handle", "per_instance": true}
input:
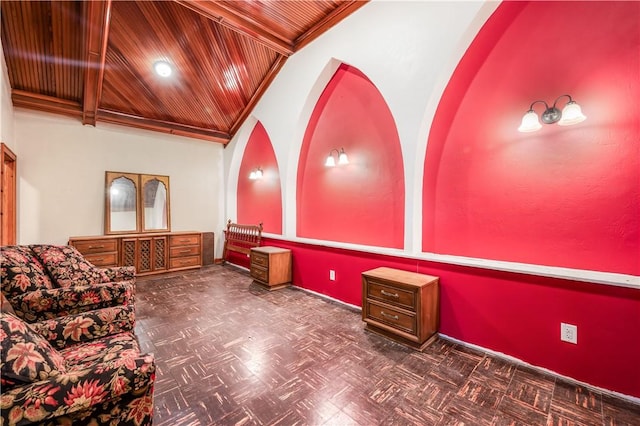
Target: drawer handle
{"points": [[97, 247], [98, 259], [185, 251], [386, 293], [386, 315]]}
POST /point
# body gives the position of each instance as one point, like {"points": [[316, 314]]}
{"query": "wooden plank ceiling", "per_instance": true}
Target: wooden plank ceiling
{"points": [[94, 59]]}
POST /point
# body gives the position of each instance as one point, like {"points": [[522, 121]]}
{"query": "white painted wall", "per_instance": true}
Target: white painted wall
{"points": [[408, 49], [62, 168], [6, 107]]}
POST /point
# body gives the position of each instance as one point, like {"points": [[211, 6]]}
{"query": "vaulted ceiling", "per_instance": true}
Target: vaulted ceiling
{"points": [[94, 60]]}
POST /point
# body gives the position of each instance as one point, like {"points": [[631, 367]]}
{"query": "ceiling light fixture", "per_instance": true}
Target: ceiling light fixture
{"points": [[162, 68], [342, 158], [571, 114]]}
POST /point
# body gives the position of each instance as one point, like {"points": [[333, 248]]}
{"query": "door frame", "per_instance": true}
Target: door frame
{"points": [[8, 188]]}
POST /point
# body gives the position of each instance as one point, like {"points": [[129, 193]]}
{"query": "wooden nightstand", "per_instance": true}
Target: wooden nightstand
{"points": [[271, 266], [401, 305]]}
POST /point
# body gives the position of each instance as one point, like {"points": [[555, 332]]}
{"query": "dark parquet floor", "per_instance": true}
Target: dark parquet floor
{"points": [[231, 353]]}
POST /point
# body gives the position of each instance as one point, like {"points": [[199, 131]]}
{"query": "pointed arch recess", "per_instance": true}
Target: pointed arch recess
{"points": [[260, 200], [362, 202], [562, 196]]}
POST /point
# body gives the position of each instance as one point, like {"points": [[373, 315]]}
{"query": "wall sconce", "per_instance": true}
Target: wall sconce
{"points": [[342, 158], [571, 114], [256, 174]]}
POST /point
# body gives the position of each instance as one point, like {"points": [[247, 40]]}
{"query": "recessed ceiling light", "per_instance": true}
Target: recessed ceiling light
{"points": [[162, 68]]}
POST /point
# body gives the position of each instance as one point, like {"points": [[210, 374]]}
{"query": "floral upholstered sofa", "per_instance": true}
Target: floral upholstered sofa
{"points": [[85, 368], [47, 281]]}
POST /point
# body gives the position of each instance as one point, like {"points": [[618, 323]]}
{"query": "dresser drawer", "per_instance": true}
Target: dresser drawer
{"points": [[184, 240], [392, 295], [184, 262], [259, 274], [103, 259], [182, 251], [395, 318], [259, 259], [96, 246]]}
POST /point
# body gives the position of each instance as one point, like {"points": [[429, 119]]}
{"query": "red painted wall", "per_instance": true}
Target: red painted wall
{"points": [[562, 196], [362, 202], [515, 314], [260, 201]]}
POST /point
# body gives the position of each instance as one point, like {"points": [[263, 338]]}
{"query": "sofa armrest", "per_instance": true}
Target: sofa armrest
{"points": [[120, 273], [45, 304], [77, 328], [78, 390]]}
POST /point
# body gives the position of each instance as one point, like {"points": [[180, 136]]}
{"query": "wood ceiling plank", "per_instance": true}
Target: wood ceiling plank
{"points": [[230, 18], [328, 22], [97, 17]]}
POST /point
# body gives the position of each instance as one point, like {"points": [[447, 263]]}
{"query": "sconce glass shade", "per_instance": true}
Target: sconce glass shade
{"points": [[331, 162], [571, 114], [530, 122], [259, 174], [342, 159]]}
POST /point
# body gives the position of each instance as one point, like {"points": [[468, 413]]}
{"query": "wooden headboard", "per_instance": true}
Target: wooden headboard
{"points": [[240, 238]]}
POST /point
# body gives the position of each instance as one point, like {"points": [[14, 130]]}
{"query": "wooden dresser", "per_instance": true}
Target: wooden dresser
{"points": [[271, 266], [401, 305], [150, 253]]}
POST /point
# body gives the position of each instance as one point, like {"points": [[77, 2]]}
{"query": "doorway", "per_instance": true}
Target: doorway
{"points": [[8, 198]]}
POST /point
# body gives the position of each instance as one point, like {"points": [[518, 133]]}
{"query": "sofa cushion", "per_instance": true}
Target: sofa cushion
{"points": [[67, 266], [122, 346], [26, 356], [20, 271]]}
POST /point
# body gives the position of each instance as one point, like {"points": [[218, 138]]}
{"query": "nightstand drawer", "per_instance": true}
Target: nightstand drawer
{"points": [[184, 262], [391, 294], [259, 259], [260, 274], [182, 251], [391, 317]]}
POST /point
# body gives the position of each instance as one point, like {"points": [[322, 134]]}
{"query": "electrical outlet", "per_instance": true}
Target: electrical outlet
{"points": [[332, 275], [569, 333]]}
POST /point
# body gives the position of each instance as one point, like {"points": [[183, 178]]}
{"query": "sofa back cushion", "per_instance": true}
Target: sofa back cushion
{"points": [[26, 356], [5, 306], [21, 271], [67, 266]]}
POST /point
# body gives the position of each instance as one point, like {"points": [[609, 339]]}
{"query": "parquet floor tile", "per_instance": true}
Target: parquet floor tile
{"points": [[229, 352]]}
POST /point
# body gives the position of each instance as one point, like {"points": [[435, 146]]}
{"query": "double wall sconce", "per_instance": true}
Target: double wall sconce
{"points": [[571, 114], [256, 174], [342, 158]]}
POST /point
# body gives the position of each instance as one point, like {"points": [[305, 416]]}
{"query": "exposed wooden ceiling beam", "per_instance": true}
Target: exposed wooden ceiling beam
{"points": [[21, 98], [97, 17], [239, 23], [106, 116]]}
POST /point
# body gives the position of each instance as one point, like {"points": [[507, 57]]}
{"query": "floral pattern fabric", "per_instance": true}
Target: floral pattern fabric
{"points": [[67, 266], [35, 297], [70, 330], [26, 356], [105, 381], [46, 304], [120, 273], [21, 272]]}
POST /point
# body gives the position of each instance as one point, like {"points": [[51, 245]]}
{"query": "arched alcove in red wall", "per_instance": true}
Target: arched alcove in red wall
{"points": [[260, 200], [562, 196], [361, 202]]}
